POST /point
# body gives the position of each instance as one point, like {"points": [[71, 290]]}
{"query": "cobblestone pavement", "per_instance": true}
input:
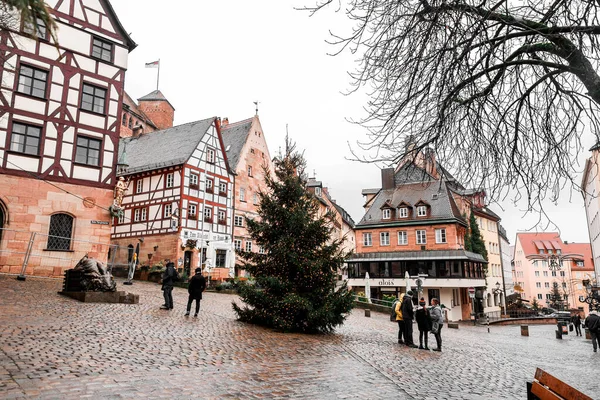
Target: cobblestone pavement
{"points": [[57, 348]]}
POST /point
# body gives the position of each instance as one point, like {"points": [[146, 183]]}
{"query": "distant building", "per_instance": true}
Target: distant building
{"points": [[506, 251], [59, 135], [590, 189], [248, 155], [532, 259], [180, 199], [414, 226]]}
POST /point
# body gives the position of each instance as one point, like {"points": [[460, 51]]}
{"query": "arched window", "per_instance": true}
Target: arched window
{"points": [[60, 232], [130, 123], [129, 253], [124, 120]]}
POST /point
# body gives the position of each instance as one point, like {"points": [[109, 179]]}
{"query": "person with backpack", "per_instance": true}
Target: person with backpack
{"points": [[592, 322], [423, 318], [195, 289], [397, 307], [169, 277], [437, 319]]}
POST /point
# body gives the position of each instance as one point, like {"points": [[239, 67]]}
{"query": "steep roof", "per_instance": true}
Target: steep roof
{"points": [[585, 249], [113, 15], [234, 138], [173, 146], [434, 193], [156, 95], [532, 242]]}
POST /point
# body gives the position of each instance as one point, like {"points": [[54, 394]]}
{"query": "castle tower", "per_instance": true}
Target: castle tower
{"points": [[156, 106]]}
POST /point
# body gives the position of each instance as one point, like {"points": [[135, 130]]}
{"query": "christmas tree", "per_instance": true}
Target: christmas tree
{"points": [[556, 299], [477, 244], [295, 276]]}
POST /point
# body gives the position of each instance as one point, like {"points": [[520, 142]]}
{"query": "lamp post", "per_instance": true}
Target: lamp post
{"points": [[592, 295]]}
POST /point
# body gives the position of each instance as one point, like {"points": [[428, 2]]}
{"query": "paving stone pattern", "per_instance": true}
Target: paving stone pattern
{"points": [[54, 347]]}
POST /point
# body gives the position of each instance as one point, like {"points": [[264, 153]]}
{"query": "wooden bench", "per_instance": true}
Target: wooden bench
{"points": [[545, 387]]}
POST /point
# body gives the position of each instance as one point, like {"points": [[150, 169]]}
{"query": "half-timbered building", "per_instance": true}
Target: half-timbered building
{"points": [[60, 110], [179, 198]]}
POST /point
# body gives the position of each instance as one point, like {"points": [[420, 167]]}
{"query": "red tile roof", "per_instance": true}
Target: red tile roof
{"points": [[531, 242], [581, 248]]}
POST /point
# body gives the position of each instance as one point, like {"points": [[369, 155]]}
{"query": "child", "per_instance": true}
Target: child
{"points": [[195, 289]]}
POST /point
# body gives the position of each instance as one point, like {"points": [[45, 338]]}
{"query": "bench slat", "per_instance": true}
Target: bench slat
{"points": [[559, 387], [542, 393]]}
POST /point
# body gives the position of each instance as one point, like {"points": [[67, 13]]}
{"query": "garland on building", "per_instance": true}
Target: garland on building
{"points": [[295, 276]]}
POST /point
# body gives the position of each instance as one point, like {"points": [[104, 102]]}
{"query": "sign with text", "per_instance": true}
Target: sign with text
{"points": [[94, 222]]}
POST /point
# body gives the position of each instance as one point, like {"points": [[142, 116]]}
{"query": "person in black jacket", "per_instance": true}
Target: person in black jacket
{"points": [[576, 320], [408, 315], [195, 289], [592, 322], [423, 322], [169, 276]]}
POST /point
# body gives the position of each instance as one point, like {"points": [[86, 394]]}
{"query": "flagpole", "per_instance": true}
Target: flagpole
{"points": [[158, 74]]}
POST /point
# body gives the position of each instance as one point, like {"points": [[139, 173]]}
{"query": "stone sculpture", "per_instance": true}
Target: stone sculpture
{"points": [[95, 276]]}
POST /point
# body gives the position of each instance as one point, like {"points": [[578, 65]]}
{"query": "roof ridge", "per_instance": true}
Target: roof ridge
{"points": [[236, 123]]}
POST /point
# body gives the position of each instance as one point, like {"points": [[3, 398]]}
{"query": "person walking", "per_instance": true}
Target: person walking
{"points": [[169, 277], [592, 323], [576, 320], [408, 314], [437, 319], [399, 318], [423, 318], [195, 289]]}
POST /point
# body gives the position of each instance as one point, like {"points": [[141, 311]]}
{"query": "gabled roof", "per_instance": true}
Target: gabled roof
{"points": [[234, 139], [442, 203], [173, 146], [113, 16], [156, 95], [584, 249]]}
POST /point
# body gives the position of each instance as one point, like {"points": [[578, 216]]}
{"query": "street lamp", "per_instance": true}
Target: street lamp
{"points": [[592, 295]]}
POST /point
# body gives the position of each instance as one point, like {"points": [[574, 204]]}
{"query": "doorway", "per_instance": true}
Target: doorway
{"points": [[187, 262]]}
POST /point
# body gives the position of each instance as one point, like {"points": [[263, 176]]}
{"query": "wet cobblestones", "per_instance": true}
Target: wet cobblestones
{"points": [[55, 347]]}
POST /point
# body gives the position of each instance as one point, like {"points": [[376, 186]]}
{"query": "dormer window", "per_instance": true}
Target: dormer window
{"points": [[422, 211], [403, 212], [318, 191], [387, 213]]}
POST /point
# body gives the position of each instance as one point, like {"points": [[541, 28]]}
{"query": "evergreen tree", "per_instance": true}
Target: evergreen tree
{"points": [[535, 305], [468, 242], [295, 276], [556, 299], [477, 243]]}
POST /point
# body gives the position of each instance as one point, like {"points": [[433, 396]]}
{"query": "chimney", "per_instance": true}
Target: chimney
{"points": [[225, 121], [137, 131], [387, 178]]}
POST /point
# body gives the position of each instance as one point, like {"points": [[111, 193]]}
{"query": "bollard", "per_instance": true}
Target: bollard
{"points": [[487, 320], [524, 330], [559, 331], [368, 313]]}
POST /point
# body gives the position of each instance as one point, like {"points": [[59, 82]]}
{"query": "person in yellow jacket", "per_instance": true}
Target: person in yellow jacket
{"points": [[399, 319]]}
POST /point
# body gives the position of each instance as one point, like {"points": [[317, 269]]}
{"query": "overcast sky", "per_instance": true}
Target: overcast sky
{"points": [[218, 57]]}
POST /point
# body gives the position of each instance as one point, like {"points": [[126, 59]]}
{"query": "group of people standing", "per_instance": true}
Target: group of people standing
{"points": [[428, 320], [197, 285]]}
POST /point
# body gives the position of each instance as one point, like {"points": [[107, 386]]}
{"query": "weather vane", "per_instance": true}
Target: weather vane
{"points": [[256, 104]]}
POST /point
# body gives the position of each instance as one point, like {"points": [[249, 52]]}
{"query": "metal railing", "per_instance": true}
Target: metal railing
{"points": [[28, 253]]}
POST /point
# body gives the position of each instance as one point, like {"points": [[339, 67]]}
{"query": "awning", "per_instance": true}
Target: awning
{"points": [[418, 256]]}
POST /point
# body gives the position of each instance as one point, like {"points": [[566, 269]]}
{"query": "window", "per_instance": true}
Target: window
{"points": [[32, 81], [144, 214], [579, 263], [440, 235], [546, 285], [102, 49], [403, 237], [238, 220], [223, 188], [403, 212], [139, 186], [248, 245], [237, 244], [547, 296], [136, 215], [254, 199], [538, 284], [167, 210], [564, 285], [553, 273], [242, 194], [130, 123], [539, 296], [88, 151], [261, 249], [210, 155], [93, 98], [249, 170], [25, 138], [252, 151], [192, 211], [60, 232], [36, 29], [384, 238], [387, 213], [209, 185], [124, 119], [421, 238], [545, 273], [194, 181], [318, 191], [221, 255], [562, 273], [169, 180], [221, 216], [367, 239], [121, 218], [207, 214], [422, 211], [537, 273]]}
